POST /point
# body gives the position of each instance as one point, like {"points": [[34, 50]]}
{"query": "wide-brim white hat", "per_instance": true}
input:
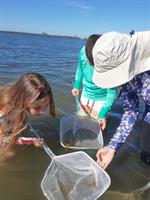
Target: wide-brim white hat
{"points": [[119, 57]]}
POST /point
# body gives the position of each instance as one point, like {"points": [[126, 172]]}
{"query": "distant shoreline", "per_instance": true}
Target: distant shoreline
{"points": [[42, 34]]}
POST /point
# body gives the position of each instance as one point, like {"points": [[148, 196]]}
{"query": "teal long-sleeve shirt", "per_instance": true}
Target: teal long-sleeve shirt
{"points": [[83, 77]]}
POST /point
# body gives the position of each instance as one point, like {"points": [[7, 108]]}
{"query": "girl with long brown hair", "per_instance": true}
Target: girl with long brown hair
{"points": [[30, 94]]}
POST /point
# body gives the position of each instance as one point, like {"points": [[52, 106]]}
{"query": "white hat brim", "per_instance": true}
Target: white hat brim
{"points": [[113, 78]]}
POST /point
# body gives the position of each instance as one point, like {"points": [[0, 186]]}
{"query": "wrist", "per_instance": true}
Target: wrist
{"points": [[113, 150]]}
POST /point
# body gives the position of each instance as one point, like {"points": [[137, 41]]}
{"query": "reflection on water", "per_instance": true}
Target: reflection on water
{"points": [[137, 194], [56, 59]]}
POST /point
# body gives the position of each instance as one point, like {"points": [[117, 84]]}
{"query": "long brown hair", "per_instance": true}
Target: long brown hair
{"points": [[16, 97]]}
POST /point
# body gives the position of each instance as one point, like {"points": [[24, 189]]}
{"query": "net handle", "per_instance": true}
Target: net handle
{"points": [[45, 146], [77, 103]]}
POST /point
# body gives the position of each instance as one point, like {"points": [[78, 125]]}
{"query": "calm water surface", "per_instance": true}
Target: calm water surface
{"points": [[56, 59]]}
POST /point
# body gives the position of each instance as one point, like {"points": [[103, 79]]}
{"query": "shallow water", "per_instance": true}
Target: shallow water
{"points": [[56, 58]]}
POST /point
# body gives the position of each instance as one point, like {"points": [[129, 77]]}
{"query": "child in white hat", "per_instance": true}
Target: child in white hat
{"points": [[124, 60]]}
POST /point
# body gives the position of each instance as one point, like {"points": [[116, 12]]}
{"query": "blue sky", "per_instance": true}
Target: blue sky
{"points": [[74, 17]]}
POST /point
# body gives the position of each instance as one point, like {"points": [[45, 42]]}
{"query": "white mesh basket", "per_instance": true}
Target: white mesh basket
{"points": [[74, 176], [79, 131]]}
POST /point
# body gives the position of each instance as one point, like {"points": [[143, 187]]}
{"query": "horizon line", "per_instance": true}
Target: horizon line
{"points": [[43, 33]]}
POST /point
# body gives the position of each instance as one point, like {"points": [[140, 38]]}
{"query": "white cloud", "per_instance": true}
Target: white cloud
{"points": [[77, 4]]}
